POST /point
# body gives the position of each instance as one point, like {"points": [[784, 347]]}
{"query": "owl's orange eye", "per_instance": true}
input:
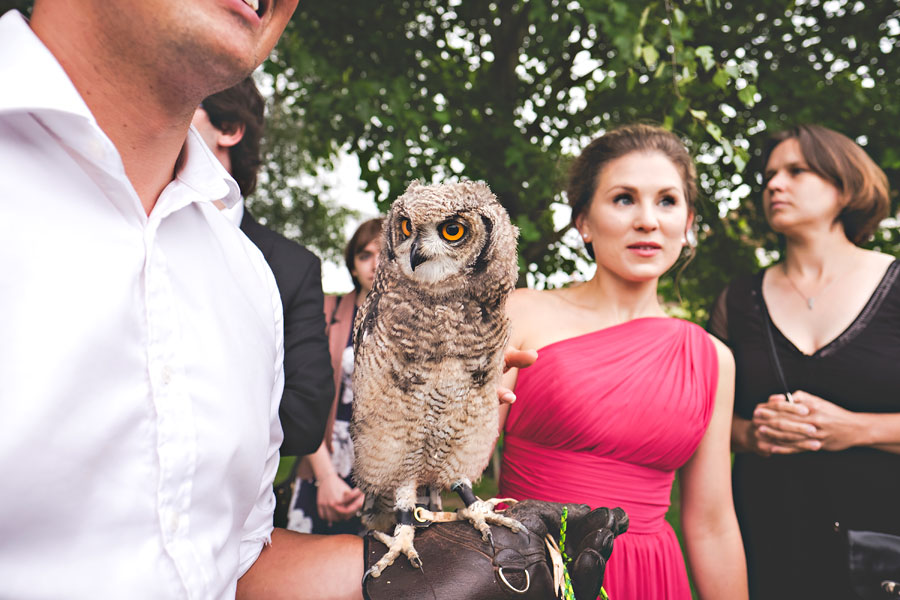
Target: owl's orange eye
{"points": [[452, 231], [405, 228]]}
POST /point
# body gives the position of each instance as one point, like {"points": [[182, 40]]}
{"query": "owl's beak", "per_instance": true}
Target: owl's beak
{"points": [[416, 258]]}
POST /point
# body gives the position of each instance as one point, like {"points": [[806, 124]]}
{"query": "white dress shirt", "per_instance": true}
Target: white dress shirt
{"points": [[140, 360]]}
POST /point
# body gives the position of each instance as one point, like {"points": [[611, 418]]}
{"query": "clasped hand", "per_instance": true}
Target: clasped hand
{"points": [[810, 423], [337, 501]]}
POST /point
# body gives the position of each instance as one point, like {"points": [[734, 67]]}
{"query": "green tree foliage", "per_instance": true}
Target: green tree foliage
{"points": [[23, 6], [508, 91], [287, 197]]}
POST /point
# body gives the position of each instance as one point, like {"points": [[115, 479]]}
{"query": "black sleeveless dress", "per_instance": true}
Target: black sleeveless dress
{"points": [[787, 505]]}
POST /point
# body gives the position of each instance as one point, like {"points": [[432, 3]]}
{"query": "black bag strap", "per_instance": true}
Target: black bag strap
{"points": [[773, 352]]}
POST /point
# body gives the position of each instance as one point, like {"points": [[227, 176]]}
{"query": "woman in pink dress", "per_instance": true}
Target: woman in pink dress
{"points": [[621, 395]]}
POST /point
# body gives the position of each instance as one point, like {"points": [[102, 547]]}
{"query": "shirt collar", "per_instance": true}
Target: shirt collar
{"points": [[33, 80], [202, 172]]}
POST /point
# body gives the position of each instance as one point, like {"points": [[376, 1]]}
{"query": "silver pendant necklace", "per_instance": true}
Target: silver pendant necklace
{"points": [[810, 300]]}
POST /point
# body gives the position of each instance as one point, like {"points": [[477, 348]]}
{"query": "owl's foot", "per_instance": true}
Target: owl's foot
{"points": [[481, 514], [400, 542]]}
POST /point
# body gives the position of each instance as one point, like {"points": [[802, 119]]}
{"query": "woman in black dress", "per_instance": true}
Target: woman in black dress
{"points": [[833, 310]]}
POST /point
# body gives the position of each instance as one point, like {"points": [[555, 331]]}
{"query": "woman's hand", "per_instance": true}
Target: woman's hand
{"points": [[514, 359], [337, 501], [835, 427], [782, 427]]}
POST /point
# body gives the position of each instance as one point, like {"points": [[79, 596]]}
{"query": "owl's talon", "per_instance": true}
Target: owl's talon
{"points": [[481, 513], [371, 572], [400, 543]]}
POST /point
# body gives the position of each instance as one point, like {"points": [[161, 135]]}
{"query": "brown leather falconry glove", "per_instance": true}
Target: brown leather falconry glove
{"points": [[458, 565]]}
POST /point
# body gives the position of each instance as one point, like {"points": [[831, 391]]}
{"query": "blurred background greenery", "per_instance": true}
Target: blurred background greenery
{"points": [[507, 91]]}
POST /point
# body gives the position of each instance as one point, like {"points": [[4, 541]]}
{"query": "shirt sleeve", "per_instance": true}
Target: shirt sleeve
{"points": [[308, 377], [718, 317], [257, 530]]}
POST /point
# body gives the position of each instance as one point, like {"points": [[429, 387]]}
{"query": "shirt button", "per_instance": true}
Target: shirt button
{"points": [[166, 375], [171, 521]]}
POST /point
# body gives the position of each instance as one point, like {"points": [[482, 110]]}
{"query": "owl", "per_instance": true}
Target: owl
{"points": [[429, 343]]}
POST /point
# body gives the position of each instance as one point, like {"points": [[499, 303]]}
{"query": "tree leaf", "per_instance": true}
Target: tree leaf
{"points": [[650, 55], [700, 115], [747, 95], [705, 54], [721, 79], [714, 130]]}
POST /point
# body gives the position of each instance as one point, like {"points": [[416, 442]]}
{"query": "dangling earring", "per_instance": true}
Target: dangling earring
{"points": [[690, 238]]}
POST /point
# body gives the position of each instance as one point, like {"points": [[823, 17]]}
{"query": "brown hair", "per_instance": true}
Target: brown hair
{"points": [[839, 160], [616, 143], [241, 104], [362, 237]]}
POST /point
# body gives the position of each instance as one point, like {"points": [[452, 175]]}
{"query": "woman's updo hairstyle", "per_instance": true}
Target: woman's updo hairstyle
{"points": [[616, 143]]}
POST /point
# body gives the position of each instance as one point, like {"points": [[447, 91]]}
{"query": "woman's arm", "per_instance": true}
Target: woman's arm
{"points": [[712, 537]]}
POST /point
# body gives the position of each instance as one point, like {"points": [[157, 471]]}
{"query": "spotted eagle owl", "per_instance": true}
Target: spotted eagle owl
{"points": [[429, 343]]}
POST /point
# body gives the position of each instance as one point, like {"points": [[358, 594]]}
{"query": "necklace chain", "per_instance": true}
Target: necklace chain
{"points": [[810, 300]]}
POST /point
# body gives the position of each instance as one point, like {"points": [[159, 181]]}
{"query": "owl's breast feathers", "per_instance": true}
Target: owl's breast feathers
{"points": [[425, 405], [458, 327]]}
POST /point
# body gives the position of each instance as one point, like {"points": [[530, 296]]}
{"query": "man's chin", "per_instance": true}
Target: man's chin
{"points": [[216, 73]]}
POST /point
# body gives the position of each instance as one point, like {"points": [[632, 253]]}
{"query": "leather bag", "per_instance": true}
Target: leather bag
{"points": [[873, 560]]}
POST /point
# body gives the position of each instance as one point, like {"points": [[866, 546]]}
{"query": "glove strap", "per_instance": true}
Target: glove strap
{"points": [[422, 517]]}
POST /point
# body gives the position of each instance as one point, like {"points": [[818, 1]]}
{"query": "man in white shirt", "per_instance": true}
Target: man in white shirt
{"points": [[141, 354], [140, 363]]}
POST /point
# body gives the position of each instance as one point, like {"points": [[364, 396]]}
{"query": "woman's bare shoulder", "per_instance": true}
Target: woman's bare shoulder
{"points": [[524, 301], [529, 311], [878, 259]]}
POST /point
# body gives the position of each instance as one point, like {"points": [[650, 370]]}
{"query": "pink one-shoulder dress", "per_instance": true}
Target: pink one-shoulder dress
{"points": [[605, 419]]}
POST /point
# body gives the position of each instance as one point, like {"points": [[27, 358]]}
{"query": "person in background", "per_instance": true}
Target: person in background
{"points": [[231, 123], [622, 395], [822, 325], [325, 498]]}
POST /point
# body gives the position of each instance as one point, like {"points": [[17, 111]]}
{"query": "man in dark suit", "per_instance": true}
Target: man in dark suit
{"points": [[231, 123]]}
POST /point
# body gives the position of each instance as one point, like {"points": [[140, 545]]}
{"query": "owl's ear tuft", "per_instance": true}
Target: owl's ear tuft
{"points": [[481, 262]]}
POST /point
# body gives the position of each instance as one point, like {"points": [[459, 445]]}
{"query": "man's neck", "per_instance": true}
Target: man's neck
{"points": [[146, 118]]}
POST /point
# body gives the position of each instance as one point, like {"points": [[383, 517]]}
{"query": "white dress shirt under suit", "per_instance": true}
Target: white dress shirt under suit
{"points": [[140, 360]]}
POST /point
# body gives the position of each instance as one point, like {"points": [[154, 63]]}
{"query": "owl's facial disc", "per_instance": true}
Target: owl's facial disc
{"points": [[438, 271]]}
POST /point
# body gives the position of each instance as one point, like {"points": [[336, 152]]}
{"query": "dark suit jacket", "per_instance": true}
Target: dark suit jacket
{"points": [[308, 380]]}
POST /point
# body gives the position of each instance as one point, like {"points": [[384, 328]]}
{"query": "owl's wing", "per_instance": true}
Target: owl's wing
{"points": [[365, 318]]}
